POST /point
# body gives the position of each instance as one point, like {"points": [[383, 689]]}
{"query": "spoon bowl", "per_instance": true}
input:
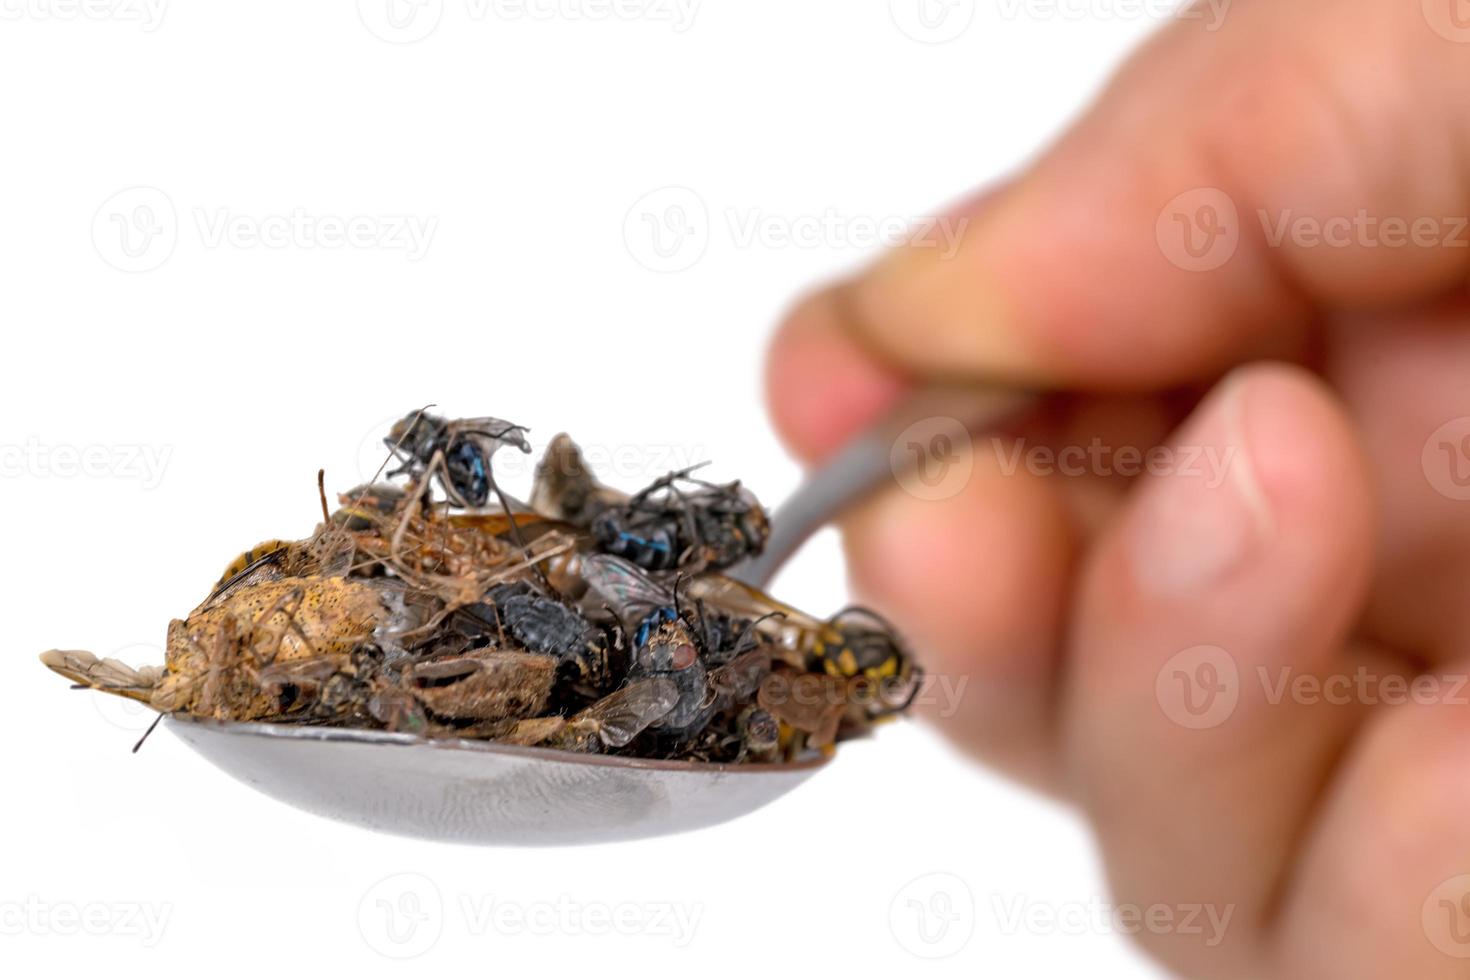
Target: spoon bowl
{"points": [[475, 792]]}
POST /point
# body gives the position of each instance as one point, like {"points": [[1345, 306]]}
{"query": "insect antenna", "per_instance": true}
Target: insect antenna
{"points": [[139, 744]]}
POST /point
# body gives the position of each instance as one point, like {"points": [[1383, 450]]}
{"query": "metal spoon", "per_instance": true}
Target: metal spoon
{"points": [[477, 792]]}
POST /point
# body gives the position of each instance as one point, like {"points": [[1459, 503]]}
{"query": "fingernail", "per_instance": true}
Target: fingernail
{"points": [[1206, 513]]}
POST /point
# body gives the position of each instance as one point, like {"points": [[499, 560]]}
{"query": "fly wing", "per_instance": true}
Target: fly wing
{"points": [[790, 631], [741, 677], [625, 586], [111, 676], [622, 715], [740, 599], [495, 433], [565, 487]]}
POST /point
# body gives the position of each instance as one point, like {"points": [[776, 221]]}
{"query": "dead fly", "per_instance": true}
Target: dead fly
{"points": [[677, 522], [565, 488], [752, 735], [456, 454], [661, 642], [611, 723]]}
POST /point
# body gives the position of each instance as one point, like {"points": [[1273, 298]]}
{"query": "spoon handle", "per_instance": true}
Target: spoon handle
{"points": [[872, 457]]}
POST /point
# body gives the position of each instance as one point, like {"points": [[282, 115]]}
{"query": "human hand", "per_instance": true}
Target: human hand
{"points": [[1212, 660]]}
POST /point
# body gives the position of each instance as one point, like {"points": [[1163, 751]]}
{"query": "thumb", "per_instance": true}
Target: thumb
{"points": [[1307, 156]]}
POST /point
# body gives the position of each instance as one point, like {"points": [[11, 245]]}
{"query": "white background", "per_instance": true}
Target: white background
{"points": [[167, 404]]}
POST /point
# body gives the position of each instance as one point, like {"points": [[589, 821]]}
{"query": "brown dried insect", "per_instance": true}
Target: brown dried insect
{"points": [[810, 705], [484, 686], [612, 722], [252, 651]]}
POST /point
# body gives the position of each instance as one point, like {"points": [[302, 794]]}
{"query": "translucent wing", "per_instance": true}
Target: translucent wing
{"points": [[622, 715], [625, 586], [741, 677], [111, 676], [739, 599], [495, 433], [795, 634], [565, 487]]}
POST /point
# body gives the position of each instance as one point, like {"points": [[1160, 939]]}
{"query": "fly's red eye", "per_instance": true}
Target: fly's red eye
{"points": [[684, 656]]}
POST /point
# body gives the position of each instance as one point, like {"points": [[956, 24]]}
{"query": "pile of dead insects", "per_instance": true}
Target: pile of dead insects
{"points": [[588, 620]]}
